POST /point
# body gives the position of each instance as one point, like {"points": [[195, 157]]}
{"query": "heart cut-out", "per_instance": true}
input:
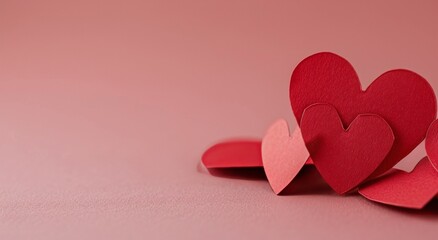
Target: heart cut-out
{"points": [[403, 98], [432, 144], [233, 154], [283, 155], [345, 158], [403, 189]]}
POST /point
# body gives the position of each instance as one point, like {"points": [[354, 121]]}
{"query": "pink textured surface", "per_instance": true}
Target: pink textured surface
{"points": [[106, 109]]}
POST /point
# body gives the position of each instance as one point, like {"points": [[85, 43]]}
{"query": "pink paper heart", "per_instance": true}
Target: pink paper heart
{"points": [[283, 155]]}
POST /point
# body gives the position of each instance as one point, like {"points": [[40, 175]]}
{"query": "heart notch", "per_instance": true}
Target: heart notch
{"points": [[345, 157]]}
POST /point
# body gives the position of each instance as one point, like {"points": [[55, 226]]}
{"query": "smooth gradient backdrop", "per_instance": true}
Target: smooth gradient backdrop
{"points": [[107, 106]]}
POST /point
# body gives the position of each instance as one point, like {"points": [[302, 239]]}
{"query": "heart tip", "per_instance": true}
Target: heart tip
{"points": [[276, 190]]}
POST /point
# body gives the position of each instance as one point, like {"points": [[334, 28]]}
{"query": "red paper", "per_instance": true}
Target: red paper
{"points": [[401, 97], [283, 155], [432, 144], [240, 153], [233, 154], [345, 158], [409, 190]]}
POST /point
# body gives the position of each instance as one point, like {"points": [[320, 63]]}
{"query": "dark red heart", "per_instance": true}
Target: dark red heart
{"points": [[345, 158], [403, 98]]}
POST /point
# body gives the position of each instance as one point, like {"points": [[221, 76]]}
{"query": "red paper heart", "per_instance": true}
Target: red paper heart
{"points": [[231, 154], [345, 158], [432, 144], [410, 190], [283, 155], [235, 154], [401, 97]]}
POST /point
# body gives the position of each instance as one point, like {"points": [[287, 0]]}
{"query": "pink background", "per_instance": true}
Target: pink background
{"points": [[107, 106]]}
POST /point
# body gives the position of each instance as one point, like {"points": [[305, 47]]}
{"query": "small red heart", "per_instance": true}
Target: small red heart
{"points": [[232, 154], [410, 190], [235, 154], [345, 158], [432, 144], [283, 155], [403, 98]]}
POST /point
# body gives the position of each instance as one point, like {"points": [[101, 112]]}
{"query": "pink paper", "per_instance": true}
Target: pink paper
{"points": [[283, 155]]}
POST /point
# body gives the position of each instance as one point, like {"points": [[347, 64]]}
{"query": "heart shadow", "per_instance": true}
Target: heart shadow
{"points": [[308, 182], [242, 173]]}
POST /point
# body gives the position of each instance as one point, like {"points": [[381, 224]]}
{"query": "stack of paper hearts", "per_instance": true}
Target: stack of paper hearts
{"points": [[352, 136]]}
